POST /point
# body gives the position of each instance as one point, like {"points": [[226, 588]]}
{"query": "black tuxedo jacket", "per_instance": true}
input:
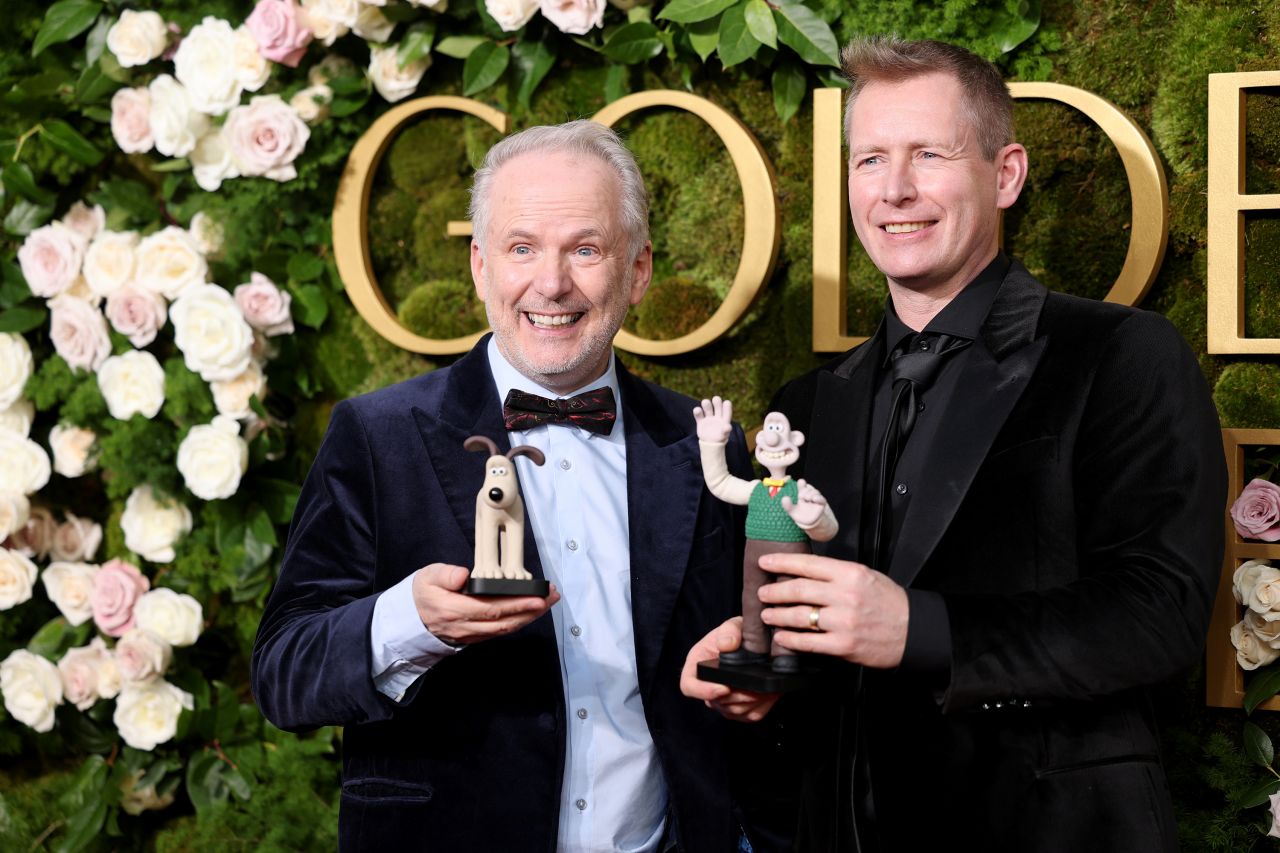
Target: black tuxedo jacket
{"points": [[473, 757], [1071, 519]]}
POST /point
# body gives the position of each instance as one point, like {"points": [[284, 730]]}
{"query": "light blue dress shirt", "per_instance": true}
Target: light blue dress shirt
{"points": [[614, 796]]}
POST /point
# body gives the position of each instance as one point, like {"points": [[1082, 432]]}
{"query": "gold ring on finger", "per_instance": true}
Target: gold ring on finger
{"points": [[814, 615]]}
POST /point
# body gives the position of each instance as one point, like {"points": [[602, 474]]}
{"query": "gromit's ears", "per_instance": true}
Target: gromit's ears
{"points": [[528, 450], [481, 442]]}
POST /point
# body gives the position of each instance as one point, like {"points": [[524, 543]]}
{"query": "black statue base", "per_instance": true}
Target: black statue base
{"points": [[759, 678], [508, 586]]}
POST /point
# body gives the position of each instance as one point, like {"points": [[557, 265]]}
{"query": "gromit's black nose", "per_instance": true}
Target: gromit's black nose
{"points": [[495, 495]]}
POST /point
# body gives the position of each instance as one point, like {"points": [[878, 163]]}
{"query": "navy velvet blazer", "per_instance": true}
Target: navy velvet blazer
{"points": [[473, 758], [1072, 522]]}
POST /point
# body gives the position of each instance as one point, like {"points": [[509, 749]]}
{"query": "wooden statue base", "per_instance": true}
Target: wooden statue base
{"points": [[508, 586]]}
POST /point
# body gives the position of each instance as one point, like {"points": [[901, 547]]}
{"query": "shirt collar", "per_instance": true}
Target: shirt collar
{"points": [[961, 317], [506, 377]]}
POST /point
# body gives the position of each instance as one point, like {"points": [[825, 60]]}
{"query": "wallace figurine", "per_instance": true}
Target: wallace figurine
{"points": [[499, 564]]}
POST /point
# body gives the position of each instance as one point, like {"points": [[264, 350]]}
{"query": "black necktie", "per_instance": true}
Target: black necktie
{"points": [[594, 410], [915, 365]]}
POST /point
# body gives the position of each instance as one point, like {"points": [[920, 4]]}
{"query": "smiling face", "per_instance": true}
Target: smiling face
{"points": [[556, 272], [924, 200], [778, 445]]}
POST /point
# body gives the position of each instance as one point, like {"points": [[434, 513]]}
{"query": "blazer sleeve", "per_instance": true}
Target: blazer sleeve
{"points": [[1148, 489], [311, 660]]}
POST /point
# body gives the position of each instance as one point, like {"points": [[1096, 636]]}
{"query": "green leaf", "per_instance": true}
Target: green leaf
{"points": [[84, 826], [1264, 684], [18, 179], [261, 529], [348, 85], [94, 85], [807, 34], [346, 105], [632, 43], [789, 87], [13, 287], [533, 61], [132, 197], [305, 266], [737, 44], [639, 13], [1257, 745], [760, 21], [26, 216], [226, 712], [692, 11], [313, 307], [1258, 794], [704, 36], [68, 140], [203, 784], [96, 42], [416, 42], [181, 164], [48, 641], [65, 20], [831, 78], [278, 497], [483, 67], [1012, 26], [460, 47], [23, 318], [616, 83]]}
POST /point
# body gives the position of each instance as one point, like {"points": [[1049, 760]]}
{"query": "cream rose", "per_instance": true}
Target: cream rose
{"points": [[69, 586], [79, 332], [142, 655], [174, 616], [211, 161], [207, 233], [232, 396], [32, 689], [15, 510], [88, 673], [117, 586], [215, 340], [576, 17], [24, 465], [137, 38], [312, 103], [1251, 652], [212, 459], [266, 137], [372, 25], [252, 68], [152, 526], [132, 384], [1264, 596], [50, 258], [205, 64], [17, 417], [76, 539], [264, 305], [137, 313], [147, 714], [17, 578], [72, 448], [169, 262], [110, 261], [329, 20], [511, 15], [34, 538], [131, 120], [15, 368], [85, 221], [393, 82], [175, 122]]}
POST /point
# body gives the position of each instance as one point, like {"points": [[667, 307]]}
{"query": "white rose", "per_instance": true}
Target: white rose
{"points": [[266, 137], [76, 538], [1264, 596], [175, 122], [88, 673], [151, 526], [131, 120], [312, 103], [137, 313], [15, 368], [212, 459], [32, 689], [72, 448], [132, 384], [169, 262], [207, 233], [17, 578], [173, 616], [252, 68], [576, 17], [24, 466], [69, 585], [232, 396], [79, 332], [142, 655], [18, 417], [393, 82], [372, 25], [85, 221], [333, 65], [15, 511], [208, 327], [137, 38], [205, 63], [50, 258], [1251, 652], [511, 15], [1245, 579], [110, 261], [211, 161], [147, 714]]}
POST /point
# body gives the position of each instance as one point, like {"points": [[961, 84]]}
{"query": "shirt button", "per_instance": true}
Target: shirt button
{"points": [[924, 344], [572, 544], [565, 464], [576, 631], [582, 713], [581, 804], [920, 407], [901, 488]]}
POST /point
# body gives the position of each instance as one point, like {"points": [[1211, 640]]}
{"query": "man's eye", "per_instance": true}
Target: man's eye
{"points": [[522, 250], [585, 251], [929, 155], [870, 161]]}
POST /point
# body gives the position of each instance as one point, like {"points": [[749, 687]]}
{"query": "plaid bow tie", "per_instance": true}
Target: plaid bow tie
{"points": [[594, 410]]}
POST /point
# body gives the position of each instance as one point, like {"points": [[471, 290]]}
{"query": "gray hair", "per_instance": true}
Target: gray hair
{"points": [[890, 59], [576, 137]]}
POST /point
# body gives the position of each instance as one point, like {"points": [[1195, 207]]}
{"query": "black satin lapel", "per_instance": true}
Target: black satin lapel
{"points": [[984, 395]]}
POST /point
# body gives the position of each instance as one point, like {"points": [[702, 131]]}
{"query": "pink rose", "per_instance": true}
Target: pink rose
{"points": [[137, 313], [574, 16], [35, 537], [79, 332], [266, 137], [131, 120], [116, 587], [1256, 513], [264, 305], [280, 35], [51, 258], [76, 539]]}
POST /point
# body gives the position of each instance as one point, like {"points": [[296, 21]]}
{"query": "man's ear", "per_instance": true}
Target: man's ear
{"points": [[1011, 174], [642, 273], [477, 269]]}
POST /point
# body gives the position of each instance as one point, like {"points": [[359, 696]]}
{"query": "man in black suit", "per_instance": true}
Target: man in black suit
{"points": [[1030, 489], [523, 724]]}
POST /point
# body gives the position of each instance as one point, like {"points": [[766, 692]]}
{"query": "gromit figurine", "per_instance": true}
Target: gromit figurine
{"points": [[782, 515], [499, 566]]}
